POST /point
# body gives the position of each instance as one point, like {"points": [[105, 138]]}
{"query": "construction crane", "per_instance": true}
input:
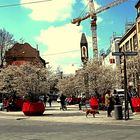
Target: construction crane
{"points": [[92, 14]]}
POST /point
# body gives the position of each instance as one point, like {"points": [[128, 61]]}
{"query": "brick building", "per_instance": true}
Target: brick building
{"points": [[23, 53]]}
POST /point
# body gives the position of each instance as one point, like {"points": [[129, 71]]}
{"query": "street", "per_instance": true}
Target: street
{"points": [[72, 124], [39, 130]]}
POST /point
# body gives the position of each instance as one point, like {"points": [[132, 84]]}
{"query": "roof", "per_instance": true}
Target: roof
{"points": [[22, 50], [83, 39], [129, 32], [137, 4]]}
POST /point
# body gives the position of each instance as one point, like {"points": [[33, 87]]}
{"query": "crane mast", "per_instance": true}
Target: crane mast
{"points": [[93, 28], [92, 14]]}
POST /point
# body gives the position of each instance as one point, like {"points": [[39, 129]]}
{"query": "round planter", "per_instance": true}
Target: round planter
{"points": [[137, 109], [13, 105], [136, 104], [33, 109], [93, 103]]}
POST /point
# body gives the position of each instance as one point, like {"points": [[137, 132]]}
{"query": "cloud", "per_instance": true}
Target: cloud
{"points": [[99, 20], [62, 42], [96, 5], [55, 10], [63, 45]]}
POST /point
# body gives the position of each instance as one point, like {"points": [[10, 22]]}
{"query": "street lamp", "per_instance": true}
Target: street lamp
{"points": [[124, 54]]}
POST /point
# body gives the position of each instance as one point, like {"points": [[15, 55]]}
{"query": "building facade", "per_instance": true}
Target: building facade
{"points": [[138, 41], [130, 42], [23, 53], [108, 59], [138, 23]]}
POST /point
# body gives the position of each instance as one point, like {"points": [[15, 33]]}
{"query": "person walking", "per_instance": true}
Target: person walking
{"points": [[50, 100], [131, 93], [109, 102], [82, 102], [63, 103]]}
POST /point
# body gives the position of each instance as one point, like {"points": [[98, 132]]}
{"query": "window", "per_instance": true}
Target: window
{"points": [[131, 44], [127, 46], [138, 26], [135, 42]]}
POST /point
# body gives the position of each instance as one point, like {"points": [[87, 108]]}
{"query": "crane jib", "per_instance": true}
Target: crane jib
{"points": [[112, 4], [92, 14]]}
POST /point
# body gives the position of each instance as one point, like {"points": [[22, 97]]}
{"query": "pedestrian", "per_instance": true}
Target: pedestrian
{"points": [[82, 102], [62, 102], [131, 93], [45, 99], [49, 100], [109, 102]]}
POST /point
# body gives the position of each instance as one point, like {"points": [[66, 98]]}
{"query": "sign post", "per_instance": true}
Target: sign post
{"points": [[124, 54]]}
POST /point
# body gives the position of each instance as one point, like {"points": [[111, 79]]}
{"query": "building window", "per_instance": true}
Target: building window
{"points": [[127, 46], [123, 48], [138, 12], [135, 42], [131, 45], [138, 26]]}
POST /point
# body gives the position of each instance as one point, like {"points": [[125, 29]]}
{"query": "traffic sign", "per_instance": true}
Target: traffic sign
{"points": [[130, 53], [117, 53], [124, 53]]}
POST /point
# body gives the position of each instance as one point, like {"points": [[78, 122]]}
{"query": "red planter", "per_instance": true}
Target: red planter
{"points": [[15, 105], [136, 104], [33, 109], [93, 103]]}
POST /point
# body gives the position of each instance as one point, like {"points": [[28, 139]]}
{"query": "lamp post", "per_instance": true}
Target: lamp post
{"points": [[124, 54]]}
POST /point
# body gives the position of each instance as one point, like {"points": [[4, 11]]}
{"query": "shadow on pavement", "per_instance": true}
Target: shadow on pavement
{"points": [[65, 114]]}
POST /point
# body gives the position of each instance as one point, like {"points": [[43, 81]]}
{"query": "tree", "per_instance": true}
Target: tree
{"points": [[102, 77], [71, 85], [26, 80], [59, 72], [6, 41]]}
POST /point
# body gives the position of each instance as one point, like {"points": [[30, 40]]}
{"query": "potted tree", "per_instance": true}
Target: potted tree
{"points": [[8, 87], [29, 82], [37, 83], [32, 105]]}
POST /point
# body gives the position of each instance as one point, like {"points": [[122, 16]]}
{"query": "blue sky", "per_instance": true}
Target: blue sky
{"points": [[48, 25]]}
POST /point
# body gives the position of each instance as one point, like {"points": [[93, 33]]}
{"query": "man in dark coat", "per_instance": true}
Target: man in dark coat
{"points": [[62, 101]]}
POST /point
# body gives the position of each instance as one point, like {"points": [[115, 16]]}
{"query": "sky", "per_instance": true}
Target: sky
{"points": [[48, 26]]}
